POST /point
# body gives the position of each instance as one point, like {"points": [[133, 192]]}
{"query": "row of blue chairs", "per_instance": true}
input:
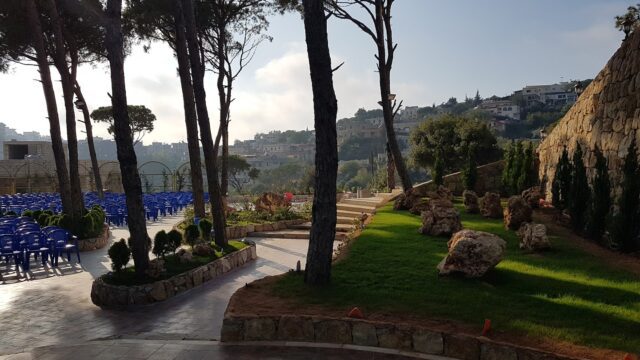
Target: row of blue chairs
{"points": [[21, 237]]}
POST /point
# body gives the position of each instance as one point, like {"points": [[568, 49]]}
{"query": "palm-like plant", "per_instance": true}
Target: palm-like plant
{"points": [[629, 21]]}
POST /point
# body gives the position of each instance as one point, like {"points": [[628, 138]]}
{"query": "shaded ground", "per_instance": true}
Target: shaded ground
{"points": [[550, 300]]}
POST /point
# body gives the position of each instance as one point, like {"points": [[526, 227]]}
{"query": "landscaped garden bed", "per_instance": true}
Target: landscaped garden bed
{"points": [[565, 300], [122, 288]]}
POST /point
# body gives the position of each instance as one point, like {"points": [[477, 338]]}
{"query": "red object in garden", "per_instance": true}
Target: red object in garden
{"points": [[288, 196], [487, 327], [630, 357], [355, 313]]}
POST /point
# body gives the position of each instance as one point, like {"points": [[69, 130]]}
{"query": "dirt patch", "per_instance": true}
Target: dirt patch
{"points": [[257, 298], [629, 263]]}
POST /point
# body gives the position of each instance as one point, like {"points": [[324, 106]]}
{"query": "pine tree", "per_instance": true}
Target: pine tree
{"points": [[578, 201], [601, 198], [561, 185], [625, 227], [470, 171], [527, 177], [438, 170]]}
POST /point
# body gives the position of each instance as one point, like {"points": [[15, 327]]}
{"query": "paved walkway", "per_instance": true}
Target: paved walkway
{"points": [[55, 307], [183, 350]]}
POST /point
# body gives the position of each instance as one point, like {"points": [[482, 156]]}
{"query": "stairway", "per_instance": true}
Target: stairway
{"points": [[348, 211]]}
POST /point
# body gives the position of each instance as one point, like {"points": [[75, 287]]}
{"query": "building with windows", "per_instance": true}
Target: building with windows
{"points": [[554, 94], [501, 108]]}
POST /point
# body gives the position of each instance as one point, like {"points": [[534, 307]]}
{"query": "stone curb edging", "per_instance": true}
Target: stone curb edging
{"points": [[97, 242], [241, 231], [119, 296], [375, 334]]}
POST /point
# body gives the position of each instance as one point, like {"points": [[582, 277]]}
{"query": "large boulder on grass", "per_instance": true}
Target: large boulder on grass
{"points": [[441, 193], [533, 237], [419, 207], [533, 196], [490, 206], [472, 253], [440, 218], [516, 213], [406, 200], [470, 201]]}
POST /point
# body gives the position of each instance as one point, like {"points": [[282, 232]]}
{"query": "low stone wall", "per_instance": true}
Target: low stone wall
{"points": [[375, 334], [489, 179], [96, 243], [114, 296]]}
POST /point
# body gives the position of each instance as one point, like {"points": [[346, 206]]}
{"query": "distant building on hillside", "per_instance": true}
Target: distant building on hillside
{"points": [[363, 129], [554, 94], [501, 108]]}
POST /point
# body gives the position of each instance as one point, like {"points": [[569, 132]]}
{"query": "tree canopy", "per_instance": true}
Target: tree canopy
{"points": [[141, 118], [452, 136]]}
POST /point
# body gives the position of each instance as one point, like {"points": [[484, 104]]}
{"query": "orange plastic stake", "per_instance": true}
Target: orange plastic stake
{"points": [[355, 313], [487, 327]]}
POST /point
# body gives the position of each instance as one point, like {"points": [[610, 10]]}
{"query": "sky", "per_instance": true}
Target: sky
{"points": [[445, 48]]}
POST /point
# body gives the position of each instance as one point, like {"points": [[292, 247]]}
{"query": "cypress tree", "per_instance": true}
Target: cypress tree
{"points": [[508, 167], [470, 171], [601, 198], [518, 160], [578, 201], [625, 227], [527, 177], [561, 185]]}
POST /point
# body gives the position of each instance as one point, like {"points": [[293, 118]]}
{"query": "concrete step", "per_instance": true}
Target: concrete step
{"points": [[345, 220], [307, 226], [357, 208], [290, 234], [351, 214], [373, 201]]}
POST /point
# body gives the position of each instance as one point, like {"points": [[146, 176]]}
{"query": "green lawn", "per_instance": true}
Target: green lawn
{"points": [[563, 294]]}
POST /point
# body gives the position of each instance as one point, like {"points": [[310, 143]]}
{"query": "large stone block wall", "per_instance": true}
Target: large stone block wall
{"points": [[294, 328], [489, 179], [606, 115]]}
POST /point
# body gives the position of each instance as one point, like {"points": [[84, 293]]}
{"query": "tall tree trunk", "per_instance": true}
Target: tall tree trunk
{"points": [[92, 149], [325, 108], [224, 108], [52, 107], [67, 79], [124, 140], [391, 171], [190, 116], [210, 149], [386, 49]]}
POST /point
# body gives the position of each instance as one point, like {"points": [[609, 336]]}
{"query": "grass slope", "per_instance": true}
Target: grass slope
{"points": [[563, 294]]}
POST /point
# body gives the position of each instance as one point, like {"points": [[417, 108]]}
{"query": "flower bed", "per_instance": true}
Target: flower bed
{"points": [[107, 295], [97, 242]]}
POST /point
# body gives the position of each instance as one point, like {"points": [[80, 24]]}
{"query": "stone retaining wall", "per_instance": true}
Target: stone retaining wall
{"points": [[96, 243], [114, 296], [375, 334], [240, 231], [489, 179]]}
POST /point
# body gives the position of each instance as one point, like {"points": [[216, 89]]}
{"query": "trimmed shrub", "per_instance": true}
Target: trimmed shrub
{"points": [[205, 227], [175, 240], [65, 222], [160, 244], [120, 254], [36, 214], [507, 172], [470, 171], [28, 213], [561, 186], [438, 170], [43, 219], [191, 234]]}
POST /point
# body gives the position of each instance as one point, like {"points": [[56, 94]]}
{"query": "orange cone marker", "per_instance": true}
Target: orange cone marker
{"points": [[355, 313], [487, 327]]}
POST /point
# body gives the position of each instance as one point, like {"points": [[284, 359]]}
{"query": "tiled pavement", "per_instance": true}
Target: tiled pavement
{"points": [[178, 350], [56, 309]]}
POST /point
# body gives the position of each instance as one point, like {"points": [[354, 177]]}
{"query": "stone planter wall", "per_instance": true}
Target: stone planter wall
{"points": [[375, 334], [114, 296], [96, 243], [240, 231]]}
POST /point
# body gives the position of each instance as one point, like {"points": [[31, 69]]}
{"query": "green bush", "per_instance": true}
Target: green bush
{"points": [[625, 225], [580, 192], [561, 186], [36, 214], [65, 222], [601, 198], [438, 170], [85, 227], [148, 243], [175, 240], [43, 219], [48, 212], [120, 254], [205, 227], [470, 170], [191, 234], [28, 213], [161, 244]]}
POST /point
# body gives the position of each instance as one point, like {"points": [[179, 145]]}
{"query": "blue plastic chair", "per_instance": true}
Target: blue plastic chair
{"points": [[33, 243], [62, 242], [10, 250]]}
